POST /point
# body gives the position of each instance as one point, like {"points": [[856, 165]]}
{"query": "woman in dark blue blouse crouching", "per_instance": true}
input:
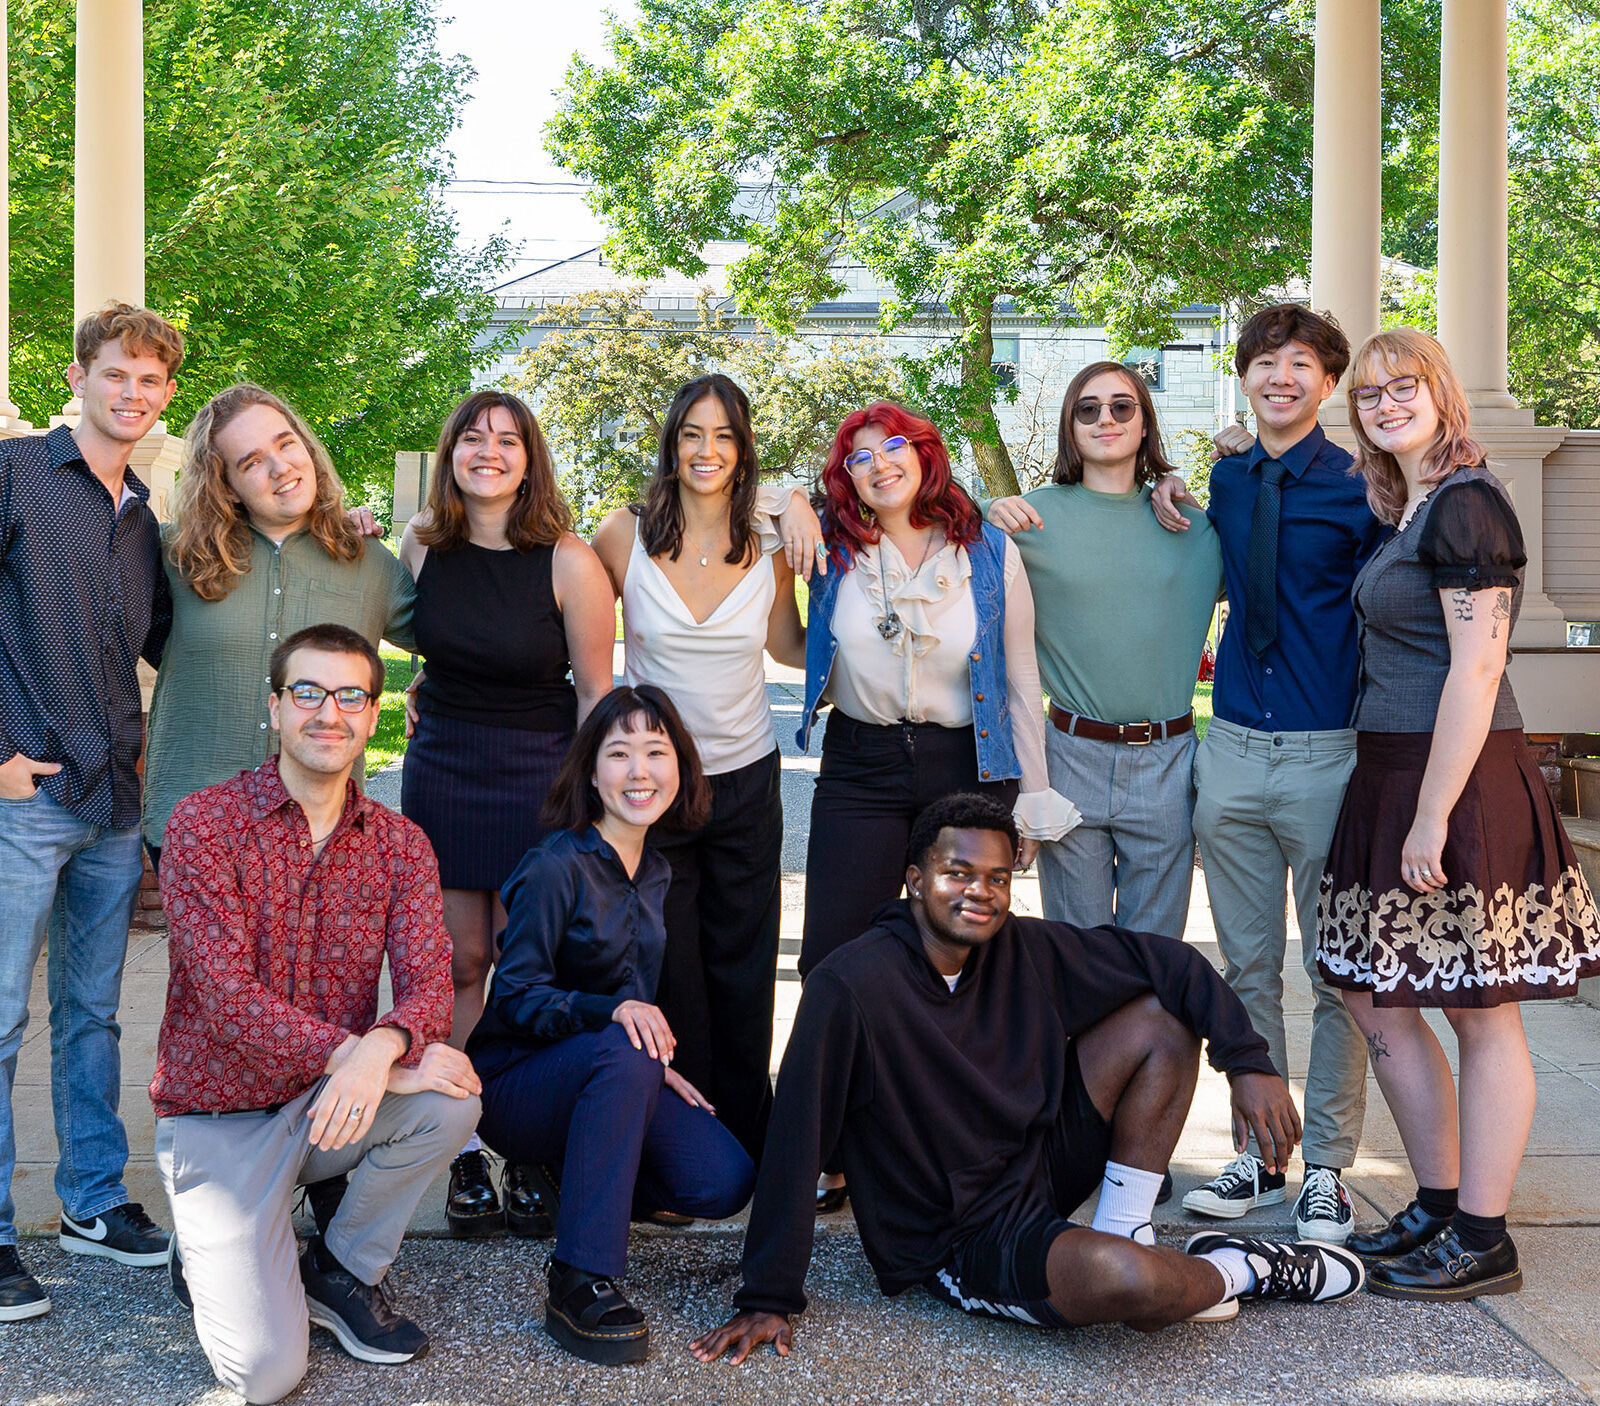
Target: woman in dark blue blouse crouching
{"points": [[575, 1059]]}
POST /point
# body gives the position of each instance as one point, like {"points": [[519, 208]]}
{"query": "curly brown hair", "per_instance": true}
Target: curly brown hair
{"points": [[210, 541], [539, 517], [141, 332]]}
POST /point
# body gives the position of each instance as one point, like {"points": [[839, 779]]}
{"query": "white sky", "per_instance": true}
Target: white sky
{"points": [[520, 49]]}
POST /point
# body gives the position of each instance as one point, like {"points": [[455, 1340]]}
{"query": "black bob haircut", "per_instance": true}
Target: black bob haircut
{"points": [[573, 802], [965, 810]]}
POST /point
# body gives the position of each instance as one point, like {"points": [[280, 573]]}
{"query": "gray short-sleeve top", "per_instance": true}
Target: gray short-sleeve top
{"points": [[1464, 538]]}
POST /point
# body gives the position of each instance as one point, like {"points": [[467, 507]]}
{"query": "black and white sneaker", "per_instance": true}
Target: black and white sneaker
{"points": [[124, 1234], [1305, 1271], [20, 1294], [1323, 1210], [1239, 1187], [359, 1315]]}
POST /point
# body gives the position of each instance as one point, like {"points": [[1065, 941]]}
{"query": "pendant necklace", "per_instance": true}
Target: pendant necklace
{"points": [[891, 624]]}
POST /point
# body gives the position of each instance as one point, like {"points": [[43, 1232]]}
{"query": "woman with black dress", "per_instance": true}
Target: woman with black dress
{"points": [[576, 1058], [1450, 882], [508, 601]]}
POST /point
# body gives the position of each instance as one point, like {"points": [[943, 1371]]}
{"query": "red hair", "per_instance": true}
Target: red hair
{"points": [[849, 526]]}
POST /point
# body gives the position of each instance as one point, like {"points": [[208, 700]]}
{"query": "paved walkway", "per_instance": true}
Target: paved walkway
{"points": [[116, 1335]]}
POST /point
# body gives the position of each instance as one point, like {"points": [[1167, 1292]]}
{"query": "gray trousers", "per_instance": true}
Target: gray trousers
{"points": [[1132, 860], [1266, 804], [231, 1178]]}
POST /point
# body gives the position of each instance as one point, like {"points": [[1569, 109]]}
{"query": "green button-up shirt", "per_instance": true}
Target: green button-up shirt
{"points": [[208, 719]]}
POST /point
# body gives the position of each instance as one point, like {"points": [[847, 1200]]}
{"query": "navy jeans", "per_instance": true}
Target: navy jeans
{"points": [[80, 881], [595, 1107]]}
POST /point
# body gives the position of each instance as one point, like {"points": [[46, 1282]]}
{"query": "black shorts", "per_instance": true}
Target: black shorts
{"points": [[998, 1270]]}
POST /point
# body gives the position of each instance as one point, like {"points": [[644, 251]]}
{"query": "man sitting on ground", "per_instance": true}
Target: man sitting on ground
{"points": [[285, 889], [979, 1075]]}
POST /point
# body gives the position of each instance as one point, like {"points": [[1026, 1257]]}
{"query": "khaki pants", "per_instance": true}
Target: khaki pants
{"points": [[231, 1178], [1266, 804]]}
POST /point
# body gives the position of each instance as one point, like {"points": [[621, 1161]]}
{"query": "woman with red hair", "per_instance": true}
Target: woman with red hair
{"points": [[920, 635]]}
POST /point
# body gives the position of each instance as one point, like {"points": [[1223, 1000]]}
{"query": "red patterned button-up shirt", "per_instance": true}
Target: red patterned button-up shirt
{"points": [[276, 952]]}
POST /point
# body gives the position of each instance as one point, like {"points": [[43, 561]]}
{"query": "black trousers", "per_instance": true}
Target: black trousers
{"points": [[721, 959], [873, 784]]}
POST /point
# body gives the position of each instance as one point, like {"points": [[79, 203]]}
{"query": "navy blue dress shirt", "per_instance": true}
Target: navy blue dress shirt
{"points": [[1306, 679], [581, 938], [82, 596]]}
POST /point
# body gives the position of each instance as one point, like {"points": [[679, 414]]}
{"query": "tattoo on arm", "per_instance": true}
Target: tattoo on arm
{"points": [[1376, 1048], [1461, 604], [1501, 611]]}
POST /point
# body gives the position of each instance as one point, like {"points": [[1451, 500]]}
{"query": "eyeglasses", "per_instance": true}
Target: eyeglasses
{"points": [[1123, 408], [310, 696], [1401, 389], [862, 459]]}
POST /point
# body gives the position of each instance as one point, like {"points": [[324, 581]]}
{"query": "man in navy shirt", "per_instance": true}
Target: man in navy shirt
{"points": [[82, 597], [1270, 775]]}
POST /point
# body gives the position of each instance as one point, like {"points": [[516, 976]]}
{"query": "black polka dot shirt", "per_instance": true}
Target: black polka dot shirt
{"points": [[82, 596]]}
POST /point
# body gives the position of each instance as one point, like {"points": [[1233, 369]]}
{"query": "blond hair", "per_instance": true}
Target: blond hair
{"points": [[1404, 351], [210, 542]]}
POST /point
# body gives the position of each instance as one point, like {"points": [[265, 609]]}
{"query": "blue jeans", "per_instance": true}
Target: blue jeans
{"points": [[79, 881]]}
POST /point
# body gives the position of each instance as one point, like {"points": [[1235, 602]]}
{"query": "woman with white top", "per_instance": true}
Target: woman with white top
{"points": [[704, 591]]}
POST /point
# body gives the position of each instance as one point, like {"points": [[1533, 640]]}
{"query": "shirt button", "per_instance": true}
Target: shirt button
{"points": [[263, 727], [277, 590], [977, 698], [976, 658], [985, 775], [1269, 669], [1269, 715], [272, 635], [983, 732]]}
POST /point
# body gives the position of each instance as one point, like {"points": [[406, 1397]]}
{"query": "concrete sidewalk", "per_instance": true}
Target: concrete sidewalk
{"points": [[116, 1334]]}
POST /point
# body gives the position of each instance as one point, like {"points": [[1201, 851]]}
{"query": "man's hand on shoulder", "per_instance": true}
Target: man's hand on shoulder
{"points": [[442, 1068], [358, 1075], [1014, 514], [364, 522], [742, 1334], [1262, 1105], [1231, 439], [1169, 491]]}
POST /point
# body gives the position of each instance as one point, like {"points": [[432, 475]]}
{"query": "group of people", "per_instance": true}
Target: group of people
{"points": [[579, 910]]}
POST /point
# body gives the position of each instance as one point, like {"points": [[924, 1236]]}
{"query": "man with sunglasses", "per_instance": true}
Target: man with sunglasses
{"points": [[1295, 529], [285, 890]]}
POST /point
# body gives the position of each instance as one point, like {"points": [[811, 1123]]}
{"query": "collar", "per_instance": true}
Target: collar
{"points": [[1296, 459], [267, 795], [63, 451], [589, 840]]}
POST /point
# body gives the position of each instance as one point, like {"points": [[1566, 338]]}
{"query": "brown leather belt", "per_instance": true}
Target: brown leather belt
{"points": [[1134, 734]]}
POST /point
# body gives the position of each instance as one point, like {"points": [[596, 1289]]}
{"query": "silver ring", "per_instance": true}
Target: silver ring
{"points": [[822, 549], [355, 1113]]}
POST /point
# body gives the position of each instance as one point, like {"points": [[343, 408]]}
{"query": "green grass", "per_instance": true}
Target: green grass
{"points": [[389, 742], [1202, 709]]}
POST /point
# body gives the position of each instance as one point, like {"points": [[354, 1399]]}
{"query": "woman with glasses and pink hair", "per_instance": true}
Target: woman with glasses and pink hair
{"points": [[1450, 882]]}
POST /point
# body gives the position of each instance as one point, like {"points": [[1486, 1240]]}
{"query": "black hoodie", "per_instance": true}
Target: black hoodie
{"points": [[938, 1101]]}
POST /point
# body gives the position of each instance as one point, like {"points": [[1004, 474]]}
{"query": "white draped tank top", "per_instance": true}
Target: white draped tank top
{"points": [[713, 670]]}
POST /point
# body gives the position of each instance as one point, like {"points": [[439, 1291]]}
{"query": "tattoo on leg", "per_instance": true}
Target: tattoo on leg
{"points": [[1502, 611], [1461, 604], [1376, 1048]]}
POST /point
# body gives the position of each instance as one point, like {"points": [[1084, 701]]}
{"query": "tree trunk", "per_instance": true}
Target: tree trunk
{"points": [[977, 404]]}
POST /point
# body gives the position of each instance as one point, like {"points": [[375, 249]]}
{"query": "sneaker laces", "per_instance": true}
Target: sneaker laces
{"points": [[134, 1214], [1320, 1195], [1245, 1168], [1288, 1271]]}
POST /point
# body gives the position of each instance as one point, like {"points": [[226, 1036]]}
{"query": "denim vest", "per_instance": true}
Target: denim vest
{"points": [[997, 758]]}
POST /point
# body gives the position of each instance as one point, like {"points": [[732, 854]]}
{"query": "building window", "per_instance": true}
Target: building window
{"points": [[1003, 360], [1146, 363]]}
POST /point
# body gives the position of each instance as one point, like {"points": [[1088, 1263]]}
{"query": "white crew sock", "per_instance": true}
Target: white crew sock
{"points": [[474, 1143], [1234, 1267], [1127, 1197]]}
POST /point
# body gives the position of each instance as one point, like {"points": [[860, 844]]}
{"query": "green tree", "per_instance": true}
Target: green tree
{"points": [[294, 164], [1121, 157], [607, 368]]}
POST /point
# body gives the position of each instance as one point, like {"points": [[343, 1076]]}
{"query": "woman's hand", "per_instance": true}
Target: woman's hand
{"points": [[647, 1028], [1421, 856], [365, 524], [1014, 514], [1027, 852], [411, 702], [687, 1092], [801, 533]]}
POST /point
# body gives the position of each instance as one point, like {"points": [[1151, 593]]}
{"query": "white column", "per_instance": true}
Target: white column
{"points": [[1472, 197], [108, 156], [1346, 168], [10, 416]]}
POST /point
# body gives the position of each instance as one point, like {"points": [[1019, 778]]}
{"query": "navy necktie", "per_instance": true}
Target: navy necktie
{"points": [[1261, 565]]}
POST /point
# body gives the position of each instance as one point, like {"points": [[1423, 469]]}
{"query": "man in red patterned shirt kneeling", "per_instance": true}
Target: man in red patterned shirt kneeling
{"points": [[285, 889]]}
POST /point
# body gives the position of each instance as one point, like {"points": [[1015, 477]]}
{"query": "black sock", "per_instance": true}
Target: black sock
{"points": [[323, 1257], [1478, 1232], [1437, 1201], [1318, 1167]]}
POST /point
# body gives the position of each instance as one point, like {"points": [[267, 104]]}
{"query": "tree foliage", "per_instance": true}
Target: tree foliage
{"points": [[294, 228], [1121, 157], [607, 368]]}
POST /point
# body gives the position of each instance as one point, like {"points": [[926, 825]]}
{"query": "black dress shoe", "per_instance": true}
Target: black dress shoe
{"points": [[591, 1317], [831, 1199], [1404, 1233], [472, 1207], [1442, 1270], [533, 1200]]}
